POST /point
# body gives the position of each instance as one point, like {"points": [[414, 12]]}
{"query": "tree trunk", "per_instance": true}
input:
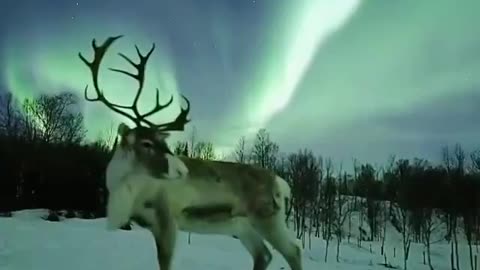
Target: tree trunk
{"points": [[429, 257], [339, 240], [384, 233], [360, 226], [303, 226], [471, 254], [350, 211], [327, 242], [310, 229], [456, 249], [298, 223], [452, 255], [405, 239]]}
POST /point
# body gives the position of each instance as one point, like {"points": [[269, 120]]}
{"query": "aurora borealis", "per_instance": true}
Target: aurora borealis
{"points": [[333, 76]]}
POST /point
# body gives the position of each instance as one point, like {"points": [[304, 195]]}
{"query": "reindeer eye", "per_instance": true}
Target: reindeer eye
{"points": [[146, 144]]}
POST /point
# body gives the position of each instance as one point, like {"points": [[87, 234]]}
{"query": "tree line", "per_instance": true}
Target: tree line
{"points": [[414, 195], [48, 164]]}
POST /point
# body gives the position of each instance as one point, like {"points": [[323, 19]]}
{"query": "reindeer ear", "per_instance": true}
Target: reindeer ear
{"points": [[161, 135], [122, 129]]}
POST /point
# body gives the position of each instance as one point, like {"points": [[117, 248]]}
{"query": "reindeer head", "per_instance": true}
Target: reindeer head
{"points": [[141, 147], [150, 151]]}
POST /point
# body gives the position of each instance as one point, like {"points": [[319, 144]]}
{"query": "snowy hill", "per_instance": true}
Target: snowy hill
{"points": [[29, 242]]}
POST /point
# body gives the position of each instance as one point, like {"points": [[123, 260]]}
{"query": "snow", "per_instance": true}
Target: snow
{"points": [[28, 242]]}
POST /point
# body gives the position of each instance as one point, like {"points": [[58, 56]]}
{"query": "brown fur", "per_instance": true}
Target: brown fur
{"points": [[253, 184]]}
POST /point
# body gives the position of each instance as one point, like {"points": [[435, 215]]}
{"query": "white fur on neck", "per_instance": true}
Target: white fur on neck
{"points": [[122, 198], [124, 185], [120, 164], [129, 196], [119, 206]]}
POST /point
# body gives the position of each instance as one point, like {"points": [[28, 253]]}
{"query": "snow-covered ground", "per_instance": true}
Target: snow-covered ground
{"points": [[27, 242]]}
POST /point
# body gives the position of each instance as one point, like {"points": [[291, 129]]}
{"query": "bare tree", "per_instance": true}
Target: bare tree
{"points": [[386, 219], [429, 226], [11, 118], [475, 161], [265, 151], [388, 177], [328, 206], [204, 150], [455, 166], [106, 139], [282, 170], [355, 200], [181, 148], [304, 173], [195, 149], [450, 215], [318, 207], [369, 188], [343, 210], [55, 117], [407, 235], [402, 211], [281, 166], [431, 176], [459, 160], [240, 151], [468, 208], [193, 137]]}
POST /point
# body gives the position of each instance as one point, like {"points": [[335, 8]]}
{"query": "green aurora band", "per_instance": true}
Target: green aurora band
{"points": [[40, 65]]}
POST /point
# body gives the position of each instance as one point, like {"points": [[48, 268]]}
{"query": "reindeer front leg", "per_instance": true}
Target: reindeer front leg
{"points": [[164, 232], [165, 242]]}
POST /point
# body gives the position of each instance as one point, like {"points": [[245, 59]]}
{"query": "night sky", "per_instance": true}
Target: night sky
{"points": [[346, 78]]}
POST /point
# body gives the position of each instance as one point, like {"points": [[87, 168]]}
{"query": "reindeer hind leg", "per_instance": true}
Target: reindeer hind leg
{"points": [[260, 253], [275, 231]]}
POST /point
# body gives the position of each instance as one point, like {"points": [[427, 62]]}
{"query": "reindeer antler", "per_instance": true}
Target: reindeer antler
{"points": [[137, 118]]}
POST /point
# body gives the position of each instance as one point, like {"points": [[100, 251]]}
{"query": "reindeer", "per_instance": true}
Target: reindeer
{"points": [[166, 193]]}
